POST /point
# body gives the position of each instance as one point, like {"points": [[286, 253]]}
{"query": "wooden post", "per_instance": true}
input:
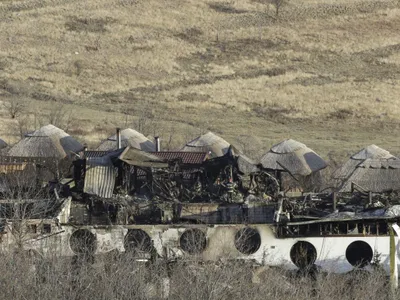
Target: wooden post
{"points": [[334, 201], [393, 261]]}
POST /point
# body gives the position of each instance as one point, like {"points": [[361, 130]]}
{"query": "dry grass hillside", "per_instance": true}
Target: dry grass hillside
{"points": [[325, 73]]}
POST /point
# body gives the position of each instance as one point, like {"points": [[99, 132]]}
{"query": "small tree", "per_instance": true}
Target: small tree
{"points": [[277, 4], [22, 200], [59, 116], [14, 107]]}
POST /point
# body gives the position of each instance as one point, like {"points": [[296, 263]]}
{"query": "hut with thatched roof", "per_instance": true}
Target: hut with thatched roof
{"points": [[48, 141], [374, 175], [129, 137], [210, 143], [293, 157], [371, 169], [371, 152]]}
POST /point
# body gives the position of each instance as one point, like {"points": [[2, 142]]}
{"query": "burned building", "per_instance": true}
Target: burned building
{"points": [[165, 186], [181, 204]]}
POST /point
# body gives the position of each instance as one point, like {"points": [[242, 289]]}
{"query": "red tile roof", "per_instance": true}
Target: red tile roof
{"points": [[187, 157]]}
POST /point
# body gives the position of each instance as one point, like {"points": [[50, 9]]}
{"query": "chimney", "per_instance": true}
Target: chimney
{"points": [[157, 140], [118, 138]]}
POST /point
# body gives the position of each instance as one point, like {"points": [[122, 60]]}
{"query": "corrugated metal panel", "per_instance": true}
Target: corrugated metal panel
{"points": [[187, 157], [94, 153], [100, 177]]}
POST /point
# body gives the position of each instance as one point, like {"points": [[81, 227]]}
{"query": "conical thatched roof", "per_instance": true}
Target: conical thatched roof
{"points": [[375, 175], [129, 137], [294, 157], [3, 144], [48, 141], [208, 142], [371, 152]]}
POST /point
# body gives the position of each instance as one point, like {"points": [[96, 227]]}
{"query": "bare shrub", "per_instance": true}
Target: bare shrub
{"points": [[191, 34], [225, 7], [341, 114], [88, 24], [121, 276]]}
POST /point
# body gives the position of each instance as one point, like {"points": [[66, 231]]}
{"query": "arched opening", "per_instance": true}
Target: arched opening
{"points": [[137, 241], [247, 240], [82, 241], [359, 254], [193, 241], [303, 254]]}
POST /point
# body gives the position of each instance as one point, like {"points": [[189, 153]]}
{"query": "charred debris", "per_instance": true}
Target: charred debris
{"points": [[207, 182]]}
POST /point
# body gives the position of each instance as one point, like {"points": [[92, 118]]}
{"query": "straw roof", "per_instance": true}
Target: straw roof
{"points": [[375, 175], [48, 141], [3, 144], [208, 142], [371, 152], [294, 157], [129, 137]]}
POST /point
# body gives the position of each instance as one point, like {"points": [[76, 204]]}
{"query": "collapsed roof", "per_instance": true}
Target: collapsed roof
{"points": [[129, 137], [293, 157], [136, 157], [48, 141], [208, 142]]}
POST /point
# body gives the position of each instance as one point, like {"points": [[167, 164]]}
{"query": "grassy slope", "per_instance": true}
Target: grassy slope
{"points": [[325, 74]]}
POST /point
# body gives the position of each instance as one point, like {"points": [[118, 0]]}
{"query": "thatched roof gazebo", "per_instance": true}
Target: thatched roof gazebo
{"points": [[129, 137], [374, 175], [293, 157], [371, 152], [48, 141], [210, 143], [372, 169]]}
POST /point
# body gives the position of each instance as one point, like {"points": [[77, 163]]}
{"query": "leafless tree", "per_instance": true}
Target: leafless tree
{"points": [[22, 200], [249, 145], [278, 5], [59, 116], [14, 107]]}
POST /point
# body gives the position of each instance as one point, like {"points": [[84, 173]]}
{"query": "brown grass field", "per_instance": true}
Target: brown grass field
{"points": [[324, 73]]}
